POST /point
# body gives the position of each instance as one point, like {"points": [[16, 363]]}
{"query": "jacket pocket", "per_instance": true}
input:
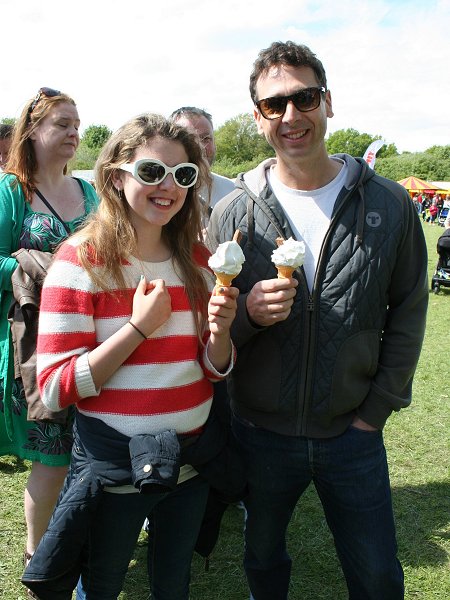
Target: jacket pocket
{"points": [[356, 364]]}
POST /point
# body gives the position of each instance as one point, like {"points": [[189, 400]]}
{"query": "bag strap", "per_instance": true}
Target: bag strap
{"points": [[50, 207], [78, 180]]}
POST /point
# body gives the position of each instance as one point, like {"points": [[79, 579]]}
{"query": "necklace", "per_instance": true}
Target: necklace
{"points": [[145, 267]]}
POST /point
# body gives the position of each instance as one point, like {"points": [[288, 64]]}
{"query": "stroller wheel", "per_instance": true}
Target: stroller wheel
{"points": [[436, 287]]}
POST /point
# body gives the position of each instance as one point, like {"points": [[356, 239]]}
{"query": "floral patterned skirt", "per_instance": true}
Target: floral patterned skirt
{"points": [[40, 441]]}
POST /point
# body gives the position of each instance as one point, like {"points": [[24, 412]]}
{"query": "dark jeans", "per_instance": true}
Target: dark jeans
{"points": [[177, 517], [351, 478]]}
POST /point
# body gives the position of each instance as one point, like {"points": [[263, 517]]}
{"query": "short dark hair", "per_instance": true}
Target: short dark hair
{"points": [[191, 111], [285, 53], [5, 131]]}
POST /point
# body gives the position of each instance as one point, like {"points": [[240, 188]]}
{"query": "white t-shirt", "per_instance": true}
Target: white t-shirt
{"points": [[220, 187], [309, 214]]}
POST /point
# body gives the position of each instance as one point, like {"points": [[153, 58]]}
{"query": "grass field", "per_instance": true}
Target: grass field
{"points": [[417, 441]]}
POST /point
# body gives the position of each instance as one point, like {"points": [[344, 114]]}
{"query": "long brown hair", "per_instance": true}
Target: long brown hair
{"points": [[109, 237], [22, 158]]}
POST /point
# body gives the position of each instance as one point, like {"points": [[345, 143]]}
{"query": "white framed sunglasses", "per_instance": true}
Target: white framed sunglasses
{"points": [[151, 171]]}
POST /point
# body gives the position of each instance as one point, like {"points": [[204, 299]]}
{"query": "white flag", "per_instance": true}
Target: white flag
{"points": [[371, 152]]}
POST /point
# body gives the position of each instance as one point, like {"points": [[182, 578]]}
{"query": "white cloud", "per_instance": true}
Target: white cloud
{"points": [[386, 60]]}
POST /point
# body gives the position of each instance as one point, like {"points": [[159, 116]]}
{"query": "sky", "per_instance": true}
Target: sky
{"points": [[387, 61]]}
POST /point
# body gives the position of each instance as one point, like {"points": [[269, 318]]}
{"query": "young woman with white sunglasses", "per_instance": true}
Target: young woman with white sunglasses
{"points": [[131, 335]]}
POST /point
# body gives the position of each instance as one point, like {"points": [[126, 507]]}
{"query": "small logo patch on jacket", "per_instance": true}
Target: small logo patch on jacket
{"points": [[373, 219]]}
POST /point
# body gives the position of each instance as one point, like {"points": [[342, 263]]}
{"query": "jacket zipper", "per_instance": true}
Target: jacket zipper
{"points": [[307, 322], [310, 320], [312, 317]]}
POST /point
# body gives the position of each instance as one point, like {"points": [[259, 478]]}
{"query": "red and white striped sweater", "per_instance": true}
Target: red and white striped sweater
{"points": [[164, 384]]}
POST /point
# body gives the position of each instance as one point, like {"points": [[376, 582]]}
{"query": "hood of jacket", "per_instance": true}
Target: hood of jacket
{"points": [[254, 183]]}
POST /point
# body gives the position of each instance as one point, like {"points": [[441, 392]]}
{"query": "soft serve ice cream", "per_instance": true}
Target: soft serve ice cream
{"points": [[289, 255], [226, 262]]}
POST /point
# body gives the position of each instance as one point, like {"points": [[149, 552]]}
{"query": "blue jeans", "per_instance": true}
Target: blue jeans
{"points": [[351, 477], [177, 518]]}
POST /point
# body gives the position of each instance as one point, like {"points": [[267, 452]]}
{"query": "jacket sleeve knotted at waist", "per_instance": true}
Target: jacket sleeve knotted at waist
{"points": [[151, 462]]}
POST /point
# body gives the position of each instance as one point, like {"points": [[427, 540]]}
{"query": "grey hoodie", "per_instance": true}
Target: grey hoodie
{"points": [[351, 346]]}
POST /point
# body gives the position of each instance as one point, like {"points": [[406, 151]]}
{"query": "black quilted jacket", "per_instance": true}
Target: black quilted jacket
{"points": [[351, 346]]}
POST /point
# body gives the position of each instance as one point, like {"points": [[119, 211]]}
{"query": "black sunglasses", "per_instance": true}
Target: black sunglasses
{"points": [[44, 91], [304, 100]]}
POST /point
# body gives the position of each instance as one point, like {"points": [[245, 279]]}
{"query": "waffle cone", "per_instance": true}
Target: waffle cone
{"points": [[223, 280], [284, 272]]}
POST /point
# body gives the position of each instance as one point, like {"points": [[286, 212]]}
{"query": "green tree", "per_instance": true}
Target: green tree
{"points": [[238, 140], [425, 165], [92, 141], [354, 143], [84, 159], [95, 136], [431, 165], [387, 150], [440, 152], [7, 121]]}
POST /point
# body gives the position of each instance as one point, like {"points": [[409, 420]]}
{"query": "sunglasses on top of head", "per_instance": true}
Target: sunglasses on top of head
{"points": [[304, 100], [43, 91], [151, 171]]}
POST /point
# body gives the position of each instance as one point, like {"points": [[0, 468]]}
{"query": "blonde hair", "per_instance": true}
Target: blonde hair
{"points": [[22, 158], [109, 237]]}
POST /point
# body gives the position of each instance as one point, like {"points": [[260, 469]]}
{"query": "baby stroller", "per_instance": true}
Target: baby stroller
{"points": [[442, 216], [442, 273]]}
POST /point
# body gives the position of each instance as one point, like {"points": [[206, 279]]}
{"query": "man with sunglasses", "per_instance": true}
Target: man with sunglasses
{"points": [[325, 356]]}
